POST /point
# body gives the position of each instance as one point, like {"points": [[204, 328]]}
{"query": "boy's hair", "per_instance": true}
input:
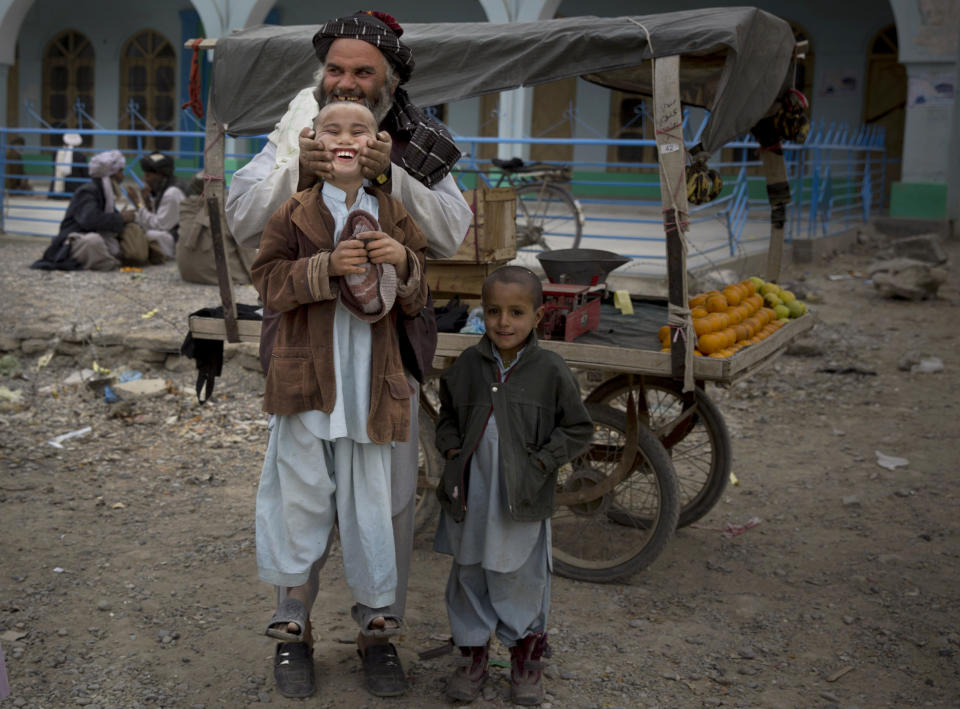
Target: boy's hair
{"points": [[520, 276], [336, 104]]}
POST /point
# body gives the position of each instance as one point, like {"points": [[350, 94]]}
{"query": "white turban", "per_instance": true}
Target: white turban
{"points": [[72, 139], [106, 164]]}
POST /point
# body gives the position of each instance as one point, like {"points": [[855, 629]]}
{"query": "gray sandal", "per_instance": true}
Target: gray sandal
{"points": [[356, 612], [290, 611]]}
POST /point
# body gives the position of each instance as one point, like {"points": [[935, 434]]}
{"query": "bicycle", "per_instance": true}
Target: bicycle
{"points": [[548, 216]]}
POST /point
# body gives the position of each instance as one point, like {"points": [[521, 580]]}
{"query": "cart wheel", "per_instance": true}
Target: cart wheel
{"points": [[698, 443], [588, 544], [548, 217]]}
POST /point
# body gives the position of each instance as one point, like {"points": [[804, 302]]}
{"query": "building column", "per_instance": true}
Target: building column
{"points": [[928, 122], [516, 106], [929, 49], [953, 176]]}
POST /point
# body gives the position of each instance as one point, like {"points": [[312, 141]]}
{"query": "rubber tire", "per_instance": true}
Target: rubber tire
{"points": [[692, 506], [555, 194], [649, 448]]}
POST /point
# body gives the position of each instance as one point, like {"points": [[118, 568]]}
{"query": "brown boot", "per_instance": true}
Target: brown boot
{"points": [[468, 679], [526, 670]]}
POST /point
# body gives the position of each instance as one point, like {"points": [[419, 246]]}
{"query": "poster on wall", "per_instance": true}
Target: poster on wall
{"points": [[838, 81], [931, 87]]}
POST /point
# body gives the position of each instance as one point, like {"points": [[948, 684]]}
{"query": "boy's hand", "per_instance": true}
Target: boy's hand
{"points": [[452, 453], [375, 157], [382, 249], [350, 256], [315, 160]]}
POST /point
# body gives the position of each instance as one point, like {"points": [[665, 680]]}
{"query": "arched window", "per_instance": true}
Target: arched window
{"points": [[67, 78], [148, 70]]}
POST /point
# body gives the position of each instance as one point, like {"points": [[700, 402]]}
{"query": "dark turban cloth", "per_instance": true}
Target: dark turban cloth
{"points": [[376, 28], [157, 162]]}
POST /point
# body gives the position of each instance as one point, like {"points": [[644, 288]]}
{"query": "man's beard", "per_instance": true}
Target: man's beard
{"points": [[379, 109]]}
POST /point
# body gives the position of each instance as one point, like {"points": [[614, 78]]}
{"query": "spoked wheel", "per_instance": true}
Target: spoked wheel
{"points": [[612, 521], [548, 218], [430, 465], [692, 430]]}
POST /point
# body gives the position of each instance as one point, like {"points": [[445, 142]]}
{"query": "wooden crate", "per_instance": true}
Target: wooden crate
{"points": [[447, 277], [493, 234]]}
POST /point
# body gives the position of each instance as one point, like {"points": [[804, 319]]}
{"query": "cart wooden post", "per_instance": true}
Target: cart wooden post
{"points": [[673, 196]]}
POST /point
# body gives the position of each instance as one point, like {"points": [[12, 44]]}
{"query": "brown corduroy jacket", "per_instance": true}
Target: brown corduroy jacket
{"points": [[291, 276]]}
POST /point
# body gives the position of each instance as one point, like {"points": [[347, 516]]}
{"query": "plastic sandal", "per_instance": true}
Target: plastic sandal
{"points": [[290, 611], [369, 632]]}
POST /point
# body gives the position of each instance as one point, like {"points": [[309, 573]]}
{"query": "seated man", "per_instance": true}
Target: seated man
{"points": [[16, 178], [93, 234], [158, 206]]}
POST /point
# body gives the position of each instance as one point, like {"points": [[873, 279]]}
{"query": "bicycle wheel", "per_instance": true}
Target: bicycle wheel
{"points": [[548, 218], [693, 432], [588, 544]]}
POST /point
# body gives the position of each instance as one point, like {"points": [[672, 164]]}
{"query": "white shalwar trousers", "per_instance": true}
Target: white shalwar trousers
{"points": [[307, 485]]}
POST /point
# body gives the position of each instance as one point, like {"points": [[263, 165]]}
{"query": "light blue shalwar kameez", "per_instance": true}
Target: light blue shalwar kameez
{"points": [[500, 577], [322, 469]]}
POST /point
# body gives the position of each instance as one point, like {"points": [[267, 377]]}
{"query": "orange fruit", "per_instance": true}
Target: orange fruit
{"points": [[698, 312], [732, 295], [701, 326], [716, 303], [716, 321], [697, 353], [736, 315], [730, 334], [742, 332], [697, 300], [751, 289], [664, 334], [711, 342]]}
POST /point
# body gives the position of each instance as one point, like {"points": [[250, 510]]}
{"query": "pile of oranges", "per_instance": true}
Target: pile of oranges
{"points": [[727, 321]]}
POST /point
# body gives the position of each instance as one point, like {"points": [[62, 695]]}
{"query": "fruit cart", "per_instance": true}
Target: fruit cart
{"points": [[661, 453]]}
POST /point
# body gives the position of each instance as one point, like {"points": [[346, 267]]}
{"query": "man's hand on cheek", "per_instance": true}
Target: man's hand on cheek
{"points": [[315, 160], [375, 157]]}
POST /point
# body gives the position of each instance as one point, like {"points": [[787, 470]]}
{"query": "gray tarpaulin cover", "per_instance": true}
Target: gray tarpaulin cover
{"points": [[734, 63]]}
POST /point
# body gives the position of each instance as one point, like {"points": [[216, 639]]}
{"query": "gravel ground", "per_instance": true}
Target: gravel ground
{"points": [[128, 574]]}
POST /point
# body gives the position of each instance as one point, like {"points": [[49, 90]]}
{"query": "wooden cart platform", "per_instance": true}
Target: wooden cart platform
{"points": [[625, 360]]}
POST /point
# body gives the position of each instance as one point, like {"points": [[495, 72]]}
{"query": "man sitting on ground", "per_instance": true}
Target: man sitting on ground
{"points": [[93, 234], [158, 206]]}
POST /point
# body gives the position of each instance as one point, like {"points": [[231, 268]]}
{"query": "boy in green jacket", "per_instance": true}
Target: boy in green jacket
{"points": [[511, 415]]}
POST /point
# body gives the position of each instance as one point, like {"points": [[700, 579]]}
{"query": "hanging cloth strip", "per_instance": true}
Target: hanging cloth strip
{"points": [[195, 86]]}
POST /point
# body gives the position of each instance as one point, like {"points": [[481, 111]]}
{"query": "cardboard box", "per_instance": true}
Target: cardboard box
{"points": [[493, 234]]}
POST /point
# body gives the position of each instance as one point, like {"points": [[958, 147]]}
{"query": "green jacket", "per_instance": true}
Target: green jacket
{"points": [[541, 420]]}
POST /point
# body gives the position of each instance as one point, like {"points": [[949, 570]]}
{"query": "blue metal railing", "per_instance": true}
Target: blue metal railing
{"points": [[837, 179]]}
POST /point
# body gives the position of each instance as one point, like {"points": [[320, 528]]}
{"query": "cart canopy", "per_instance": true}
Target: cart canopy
{"points": [[734, 62]]}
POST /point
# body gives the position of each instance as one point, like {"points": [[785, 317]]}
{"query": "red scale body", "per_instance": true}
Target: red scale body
{"points": [[571, 310]]}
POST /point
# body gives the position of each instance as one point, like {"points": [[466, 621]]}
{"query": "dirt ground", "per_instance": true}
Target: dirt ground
{"points": [[127, 569]]}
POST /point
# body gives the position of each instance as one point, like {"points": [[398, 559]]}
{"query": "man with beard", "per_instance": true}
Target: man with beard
{"points": [[362, 59]]}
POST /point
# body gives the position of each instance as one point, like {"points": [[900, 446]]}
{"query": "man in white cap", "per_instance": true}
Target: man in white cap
{"points": [[69, 167]]}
